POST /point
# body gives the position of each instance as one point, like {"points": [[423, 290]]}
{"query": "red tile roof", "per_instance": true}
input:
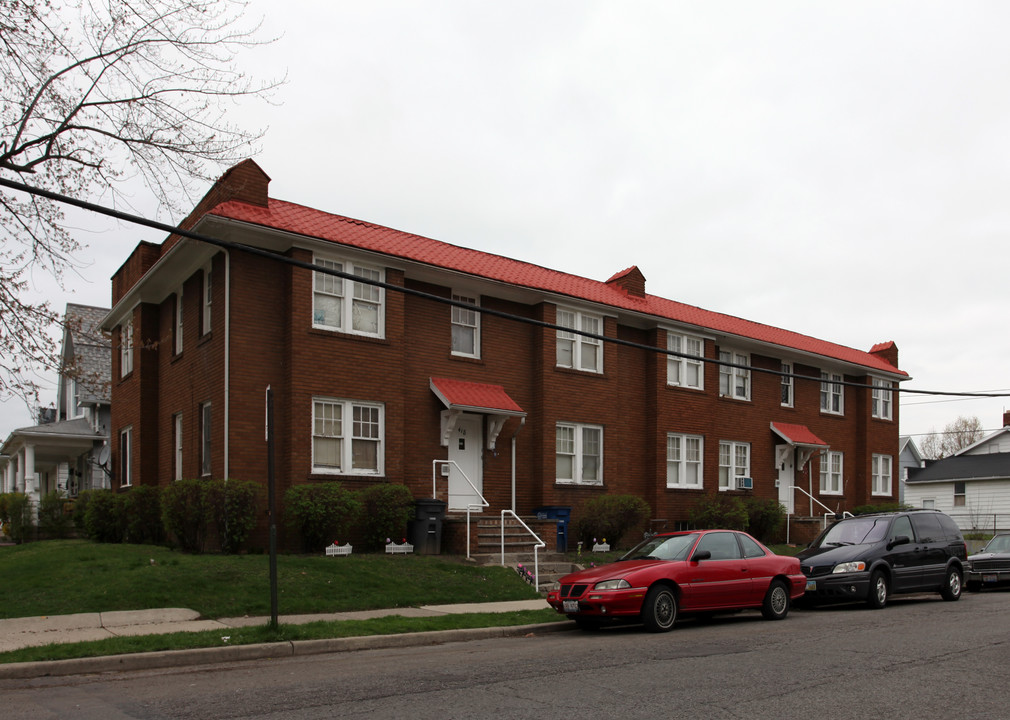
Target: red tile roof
{"points": [[797, 434], [302, 220], [477, 396]]}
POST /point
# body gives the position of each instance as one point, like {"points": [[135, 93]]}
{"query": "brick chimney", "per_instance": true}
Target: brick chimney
{"points": [[1006, 418], [631, 281]]}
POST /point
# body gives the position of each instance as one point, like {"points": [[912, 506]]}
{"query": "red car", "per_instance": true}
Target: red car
{"points": [[686, 572]]}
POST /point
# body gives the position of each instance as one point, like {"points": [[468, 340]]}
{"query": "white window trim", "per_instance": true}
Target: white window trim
{"points": [[126, 456], [788, 385], [578, 453], [878, 475], [458, 317], [882, 399], [345, 289], [208, 298], [677, 367], [206, 438], [580, 342], [831, 387], [732, 374], [733, 470], [177, 445], [683, 462], [126, 348], [178, 322], [827, 473], [347, 437]]}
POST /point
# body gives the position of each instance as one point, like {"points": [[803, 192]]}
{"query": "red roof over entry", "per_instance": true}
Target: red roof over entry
{"points": [[799, 435], [475, 397]]}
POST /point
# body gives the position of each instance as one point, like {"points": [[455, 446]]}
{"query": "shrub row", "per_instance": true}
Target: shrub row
{"points": [[761, 518], [319, 514]]}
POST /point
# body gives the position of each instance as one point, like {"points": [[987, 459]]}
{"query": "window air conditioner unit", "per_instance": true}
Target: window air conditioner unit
{"points": [[745, 483]]}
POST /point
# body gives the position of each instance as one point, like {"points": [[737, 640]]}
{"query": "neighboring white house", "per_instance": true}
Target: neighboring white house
{"points": [[972, 486], [66, 450], [909, 460]]}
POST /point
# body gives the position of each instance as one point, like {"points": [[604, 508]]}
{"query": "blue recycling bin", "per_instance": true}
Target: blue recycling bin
{"points": [[563, 515]]}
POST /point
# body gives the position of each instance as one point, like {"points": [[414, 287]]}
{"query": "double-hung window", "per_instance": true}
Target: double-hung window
{"points": [[465, 328], [734, 463], [348, 305], [177, 444], [734, 382], [683, 461], [579, 454], [126, 348], [178, 322], [881, 399], [347, 437], [832, 399], [205, 438], [686, 371], [208, 297], [831, 473], [578, 351], [881, 472], [787, 385], [126, 457]]}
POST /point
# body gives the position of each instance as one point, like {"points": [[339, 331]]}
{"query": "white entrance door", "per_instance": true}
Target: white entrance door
{"points": [[787, 475], [465, 450]]}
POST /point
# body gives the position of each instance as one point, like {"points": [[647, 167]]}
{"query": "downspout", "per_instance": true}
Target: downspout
{"points": [[522, 421], [227, 356]]}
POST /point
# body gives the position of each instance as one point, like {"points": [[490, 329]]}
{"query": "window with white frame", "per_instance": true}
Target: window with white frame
{"points": [[734, 463], [177, 444], [734, 382], [832, 399], [126, 457], [578, 351], [347, 437], [208, 297], [683, 461], [881, 399], [348, 305], [831, 473], [787, 385], [205, 438], [126, 348], [579, 454], [178, 322], [685, 371], [465, 328], [881, 474]]}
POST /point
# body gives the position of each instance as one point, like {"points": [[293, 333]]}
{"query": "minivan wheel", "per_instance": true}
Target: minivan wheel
{"points": [[776, 602], [951, 589], [879, 589]]}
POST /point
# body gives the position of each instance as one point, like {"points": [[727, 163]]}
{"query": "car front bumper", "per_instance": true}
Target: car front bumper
{"points": [[987, 577], [600, 603]]}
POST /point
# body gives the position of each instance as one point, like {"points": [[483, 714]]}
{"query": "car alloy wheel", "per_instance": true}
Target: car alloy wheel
{"points": [[776, 602], [879, 589], [659, 611], [951, 589]]}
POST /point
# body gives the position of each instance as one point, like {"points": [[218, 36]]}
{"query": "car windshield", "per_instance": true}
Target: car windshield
{"points": [[999, 544], [855, 531], [663, 547]]}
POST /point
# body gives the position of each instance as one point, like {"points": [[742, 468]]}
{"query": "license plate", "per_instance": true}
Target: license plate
{"points": [[571, 606], [811, 585], [990, 578]]}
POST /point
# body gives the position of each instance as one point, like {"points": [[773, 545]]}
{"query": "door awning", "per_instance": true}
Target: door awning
{"points": [[798, 438], [460, 396]]}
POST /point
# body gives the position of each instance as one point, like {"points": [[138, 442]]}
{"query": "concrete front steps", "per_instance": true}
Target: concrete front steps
{"points": [[552, 566]]}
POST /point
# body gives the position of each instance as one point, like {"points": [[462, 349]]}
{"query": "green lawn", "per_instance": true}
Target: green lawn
{"points": [[58, 577]]}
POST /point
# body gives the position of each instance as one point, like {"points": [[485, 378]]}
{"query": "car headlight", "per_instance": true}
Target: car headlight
{"points": [[555, 586], [612, 585], [857, 566]]}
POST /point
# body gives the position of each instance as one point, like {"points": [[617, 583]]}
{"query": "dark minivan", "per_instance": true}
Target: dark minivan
{"points": [[870, 557]]}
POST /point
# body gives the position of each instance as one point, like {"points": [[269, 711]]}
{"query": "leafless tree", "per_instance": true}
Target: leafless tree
{"points": [[95, 94], [956, 435]]}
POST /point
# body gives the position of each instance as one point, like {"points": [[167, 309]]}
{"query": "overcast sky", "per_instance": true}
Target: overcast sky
{"points": [[837, 169]]}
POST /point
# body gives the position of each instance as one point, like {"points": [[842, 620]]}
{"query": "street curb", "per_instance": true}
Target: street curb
{"points": [[261, 651]]}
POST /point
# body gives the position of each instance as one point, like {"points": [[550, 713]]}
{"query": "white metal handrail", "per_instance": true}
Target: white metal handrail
{"points": [[824, 520], [539, 544], [471, 507]]}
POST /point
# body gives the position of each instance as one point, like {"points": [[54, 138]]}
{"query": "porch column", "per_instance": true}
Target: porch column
{"points": [[31, 479], [8, 483], [19, 476]]}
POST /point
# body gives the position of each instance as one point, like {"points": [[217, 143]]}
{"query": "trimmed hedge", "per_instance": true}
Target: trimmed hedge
{"points": [[610, 517], [319, 513]]}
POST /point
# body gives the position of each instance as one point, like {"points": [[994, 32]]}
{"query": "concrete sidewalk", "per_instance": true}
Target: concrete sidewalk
{"points": [[18, 633]]}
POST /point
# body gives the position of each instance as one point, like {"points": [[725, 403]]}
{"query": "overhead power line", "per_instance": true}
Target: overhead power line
{"points": [[229, 245]]}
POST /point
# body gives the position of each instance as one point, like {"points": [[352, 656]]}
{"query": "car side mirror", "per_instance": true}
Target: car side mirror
{"points": [[701, 555], [900, 540]]}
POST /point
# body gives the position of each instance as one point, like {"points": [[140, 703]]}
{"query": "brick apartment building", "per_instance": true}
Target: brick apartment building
{"points": [[372, 384]]}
